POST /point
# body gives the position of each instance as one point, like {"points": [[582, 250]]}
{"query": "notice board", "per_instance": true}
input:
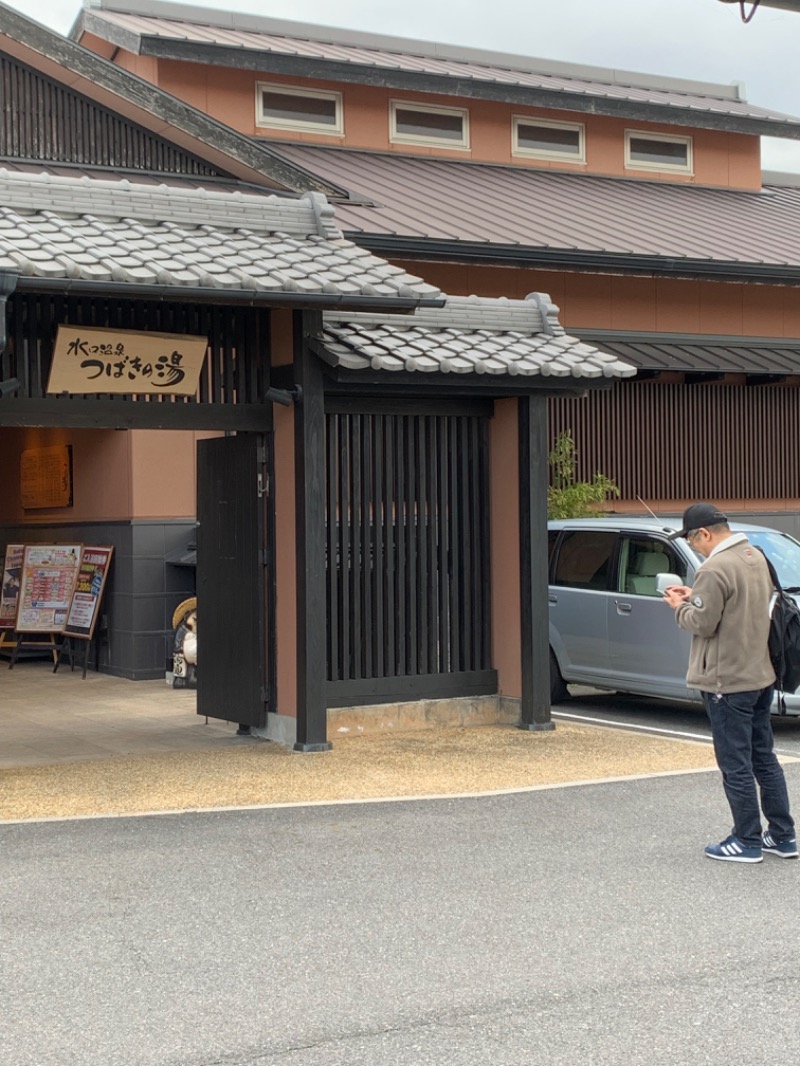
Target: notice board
{"points": [[47, 580], [45, 477], [88, 591], [9, 592]]}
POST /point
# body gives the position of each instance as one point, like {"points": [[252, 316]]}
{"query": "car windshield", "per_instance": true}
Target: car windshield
{"points": [[784, 554]]}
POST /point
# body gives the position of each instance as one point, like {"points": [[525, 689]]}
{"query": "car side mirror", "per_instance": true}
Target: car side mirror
{"points": [[664, 580]]}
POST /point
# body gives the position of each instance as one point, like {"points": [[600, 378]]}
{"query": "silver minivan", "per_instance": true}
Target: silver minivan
{"points": [[609, 626]]}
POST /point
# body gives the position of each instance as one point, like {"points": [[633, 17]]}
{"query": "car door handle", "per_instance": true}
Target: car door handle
{"points": [[622, 608], [552, 599]]}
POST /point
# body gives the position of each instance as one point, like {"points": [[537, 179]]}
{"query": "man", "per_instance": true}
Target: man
{"points": [[727, 613]]}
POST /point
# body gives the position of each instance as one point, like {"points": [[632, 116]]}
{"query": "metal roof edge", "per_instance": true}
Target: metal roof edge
{"points": [[781, 179], [412, 46], [423, 248], [240, 297], [707, 339]]}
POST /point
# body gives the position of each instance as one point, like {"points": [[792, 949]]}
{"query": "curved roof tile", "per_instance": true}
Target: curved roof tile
{"points": [[468, 335]]}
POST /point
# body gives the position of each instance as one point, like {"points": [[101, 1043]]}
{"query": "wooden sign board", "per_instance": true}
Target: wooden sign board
{"points": [[45, 477], [87, 359], [9, 591], [47, 580], [89, 584]]}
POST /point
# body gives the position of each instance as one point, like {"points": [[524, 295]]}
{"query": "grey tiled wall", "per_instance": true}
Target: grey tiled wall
{"points": [[142, 590]]}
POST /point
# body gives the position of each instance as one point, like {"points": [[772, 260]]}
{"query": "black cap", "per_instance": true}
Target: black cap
{"points": [[699, 516]]}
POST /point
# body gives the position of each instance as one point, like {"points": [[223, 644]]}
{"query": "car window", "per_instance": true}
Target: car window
{"points": [[642, 559], [782, 551], [584, 559]]}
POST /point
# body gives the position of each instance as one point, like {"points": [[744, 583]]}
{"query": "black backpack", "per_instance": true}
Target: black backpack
{"points": [[784, 640]]}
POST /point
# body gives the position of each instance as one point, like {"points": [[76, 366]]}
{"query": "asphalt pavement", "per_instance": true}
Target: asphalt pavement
{"points": [[578, 926], [661, 717]]}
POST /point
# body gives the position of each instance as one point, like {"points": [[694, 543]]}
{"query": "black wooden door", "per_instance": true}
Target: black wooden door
{"points": [[233, 680]]}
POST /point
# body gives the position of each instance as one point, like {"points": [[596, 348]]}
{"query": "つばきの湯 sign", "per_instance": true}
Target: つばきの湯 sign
{"points": [[87, 359]]}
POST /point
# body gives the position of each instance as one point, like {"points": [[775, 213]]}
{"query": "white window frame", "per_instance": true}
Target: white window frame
{"points": [[431, 142], [266, 122], [668, 168], [543, 153]]}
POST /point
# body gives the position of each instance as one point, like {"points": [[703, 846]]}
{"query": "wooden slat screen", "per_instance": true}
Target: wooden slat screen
{"points": [[236, 370], [43, 121], [407, 545], [679, 441]]}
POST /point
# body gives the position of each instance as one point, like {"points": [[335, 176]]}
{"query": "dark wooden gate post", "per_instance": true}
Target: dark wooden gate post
{"points": [[533, 477], [8, 282], [309, 448]]}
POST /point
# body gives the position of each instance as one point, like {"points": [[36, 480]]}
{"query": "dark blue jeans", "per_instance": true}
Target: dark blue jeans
{"points": [[743, 742]]}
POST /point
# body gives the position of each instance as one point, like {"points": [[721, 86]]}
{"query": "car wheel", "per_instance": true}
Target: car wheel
{"points": [[558, 690]]}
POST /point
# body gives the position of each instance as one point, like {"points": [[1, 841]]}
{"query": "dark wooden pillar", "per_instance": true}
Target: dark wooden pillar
{"points": [[309, 447], [8, 282], [533, 477]]}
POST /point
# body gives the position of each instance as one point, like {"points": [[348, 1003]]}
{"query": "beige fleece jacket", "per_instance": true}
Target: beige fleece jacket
{"points": [[728, 617]]}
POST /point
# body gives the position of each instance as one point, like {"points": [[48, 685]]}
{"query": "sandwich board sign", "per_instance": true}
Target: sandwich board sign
{"points": [[88, 591], [46, 583]]}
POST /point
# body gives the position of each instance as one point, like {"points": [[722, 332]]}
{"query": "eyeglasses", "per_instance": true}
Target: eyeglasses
{"points": [[691, 535]]}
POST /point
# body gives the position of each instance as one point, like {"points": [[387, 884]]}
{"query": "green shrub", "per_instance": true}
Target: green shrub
{"points": [[566, 496]]}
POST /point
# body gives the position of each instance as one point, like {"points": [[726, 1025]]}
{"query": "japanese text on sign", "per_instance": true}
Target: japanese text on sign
{"points": [[114, 361], [48, 578], [88, 591], [88, 359]]}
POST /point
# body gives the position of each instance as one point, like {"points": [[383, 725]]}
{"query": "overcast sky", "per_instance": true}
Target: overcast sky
{"points": [[701, 39]]}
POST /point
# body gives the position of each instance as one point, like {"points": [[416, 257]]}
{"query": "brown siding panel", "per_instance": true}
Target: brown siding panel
{"points": [[665, 441]]}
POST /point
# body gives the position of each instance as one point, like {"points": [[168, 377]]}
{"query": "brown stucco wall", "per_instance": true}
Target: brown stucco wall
{"points": [[118, 475], [601, 301], [102, 478], [720, 158], [504, 533]]}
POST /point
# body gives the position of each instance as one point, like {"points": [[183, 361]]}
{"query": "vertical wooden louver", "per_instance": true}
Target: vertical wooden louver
{"points": [[236, 369], [407, 546], [677, 441], [43, 121]]}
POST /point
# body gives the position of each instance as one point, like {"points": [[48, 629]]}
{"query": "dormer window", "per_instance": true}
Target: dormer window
{"points": [[304, 110], [444, 127], [658, 151], [539, 138]]}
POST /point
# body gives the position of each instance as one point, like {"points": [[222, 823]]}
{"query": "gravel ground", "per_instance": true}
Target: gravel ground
{"points": [[431, 762]]}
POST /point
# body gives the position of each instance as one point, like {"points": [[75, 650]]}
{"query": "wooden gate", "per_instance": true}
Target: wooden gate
{"points": [[234, 678], [407, 517]]}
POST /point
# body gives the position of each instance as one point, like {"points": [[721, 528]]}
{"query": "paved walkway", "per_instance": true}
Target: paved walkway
{"points": [[74, 747], [48, 718]]}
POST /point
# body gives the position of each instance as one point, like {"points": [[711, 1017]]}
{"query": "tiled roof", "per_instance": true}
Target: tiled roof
{"points": [[122, 231], [165, 28], [700, 353], [468, 335], [429, 200]]}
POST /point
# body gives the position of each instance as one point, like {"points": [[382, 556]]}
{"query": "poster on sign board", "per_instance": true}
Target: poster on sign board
{"points": [[89, 584], [46, 584], [9, 593]]}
